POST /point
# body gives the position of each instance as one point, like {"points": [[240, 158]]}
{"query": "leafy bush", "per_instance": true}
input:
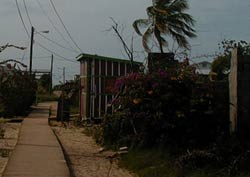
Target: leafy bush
{"points": [[17, 92], [168, 106], [46, 97]]}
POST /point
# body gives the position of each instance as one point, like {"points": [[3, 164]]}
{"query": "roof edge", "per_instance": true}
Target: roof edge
{"points": [[83, 56]]}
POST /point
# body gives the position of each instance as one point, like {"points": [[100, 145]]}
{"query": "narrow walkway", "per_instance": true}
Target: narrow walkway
{"points": [[37, 153]]}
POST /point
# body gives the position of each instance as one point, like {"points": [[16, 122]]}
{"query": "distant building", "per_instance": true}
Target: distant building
{"points": [[203, 68], [97, 77]]}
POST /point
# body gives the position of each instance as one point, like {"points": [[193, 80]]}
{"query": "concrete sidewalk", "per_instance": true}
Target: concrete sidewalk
{"points": [[37, 153]]}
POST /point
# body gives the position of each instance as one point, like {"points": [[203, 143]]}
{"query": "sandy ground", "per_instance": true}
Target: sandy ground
{"points": [[85, 157], [8, 142]]}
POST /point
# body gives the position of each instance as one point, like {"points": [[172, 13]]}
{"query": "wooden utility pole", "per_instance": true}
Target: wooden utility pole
{"points": [[62, 111], [31, 48], [51, 74]]}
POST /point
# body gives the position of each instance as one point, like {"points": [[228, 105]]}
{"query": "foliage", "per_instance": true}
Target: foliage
{"points": [[45, 82], [227, 157], [221, 64], [96, 132], [228, 45], [2, 130], [166, 17], [163, 107], [149, 163], [46, 97], [17, 91], [72, 90]]}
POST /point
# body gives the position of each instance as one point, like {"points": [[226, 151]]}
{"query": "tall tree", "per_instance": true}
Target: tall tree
{"points": [[166, 17]]}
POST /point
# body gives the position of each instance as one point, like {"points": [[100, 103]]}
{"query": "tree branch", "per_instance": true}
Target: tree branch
{"points": [[2, 48], [129, 51]]}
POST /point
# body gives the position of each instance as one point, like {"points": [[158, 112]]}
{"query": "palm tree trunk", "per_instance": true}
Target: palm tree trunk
{"points": [[161, 48], [158, 37]]}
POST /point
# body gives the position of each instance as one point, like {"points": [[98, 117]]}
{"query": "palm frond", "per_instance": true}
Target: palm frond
{"points": [[178, 6], [163, 3], [145, 38], [180, 39], [159, 38], [184, 17], [160, 11], [179, 23], [161, 26], [140, 23], [183, 31], [151, 12]]}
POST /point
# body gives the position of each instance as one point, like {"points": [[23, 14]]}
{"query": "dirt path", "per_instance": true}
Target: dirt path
{"points": [[84, 155]]}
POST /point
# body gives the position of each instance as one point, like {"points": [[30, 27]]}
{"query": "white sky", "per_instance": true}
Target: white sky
{"points": [[87, 21]]}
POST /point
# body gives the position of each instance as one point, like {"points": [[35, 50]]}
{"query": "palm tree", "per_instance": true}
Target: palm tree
{"points": [[166, 17]]}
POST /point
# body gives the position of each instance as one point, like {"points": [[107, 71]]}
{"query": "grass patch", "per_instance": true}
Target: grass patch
{"points": [[159, 163], [149, 163]]}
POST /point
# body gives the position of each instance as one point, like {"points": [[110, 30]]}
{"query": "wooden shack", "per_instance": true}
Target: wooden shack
{"points": [[98, 75]]}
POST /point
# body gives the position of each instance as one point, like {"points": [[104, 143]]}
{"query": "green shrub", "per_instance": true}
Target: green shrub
{"points": [[46, 97], [17, 92]]}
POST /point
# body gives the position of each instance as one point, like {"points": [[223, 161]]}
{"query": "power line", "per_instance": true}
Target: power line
{"points": [[26, 10], [56, 43], [64, 26], [20, 15], [27, 13], [53, 25], [22, 58], [56, 54]]}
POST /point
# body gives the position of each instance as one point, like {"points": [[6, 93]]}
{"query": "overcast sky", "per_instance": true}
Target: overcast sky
{"points": [[88, 21]]}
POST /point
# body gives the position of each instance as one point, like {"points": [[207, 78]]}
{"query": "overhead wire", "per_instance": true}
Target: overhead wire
{"points": [[25, 28], [53, 25], [26, 10], [41, 57], [56, 54], [20, 15], [64, 26], [56, 43]]}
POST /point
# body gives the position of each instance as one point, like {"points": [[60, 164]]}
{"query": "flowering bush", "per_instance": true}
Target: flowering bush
{"points": [[161, 107]]}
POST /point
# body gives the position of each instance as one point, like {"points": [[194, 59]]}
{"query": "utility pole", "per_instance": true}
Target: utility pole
{"points": [[31, 48], [63, 75], [51, 74], [62, 111]]}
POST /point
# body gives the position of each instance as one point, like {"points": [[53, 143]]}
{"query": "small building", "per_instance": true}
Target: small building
{"points": [[203, 68], [97, 77]]}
